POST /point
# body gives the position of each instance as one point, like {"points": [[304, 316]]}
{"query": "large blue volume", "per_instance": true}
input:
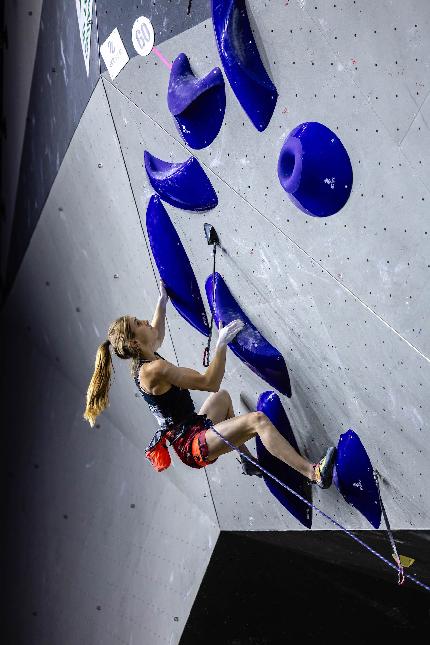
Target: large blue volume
{"points": [[249, 345], [353, 476], [241, 61], [197, 105], [184, 185], [314, 169], [270, 404], [174, 266]]}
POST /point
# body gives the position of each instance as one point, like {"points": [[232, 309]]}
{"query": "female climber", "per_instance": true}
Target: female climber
{"points": [[165, 387]]}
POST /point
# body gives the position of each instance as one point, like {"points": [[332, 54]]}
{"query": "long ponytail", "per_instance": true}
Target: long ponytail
{"points": [[98, 389]]}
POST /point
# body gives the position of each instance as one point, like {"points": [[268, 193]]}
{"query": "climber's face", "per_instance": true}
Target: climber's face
{"points": [[143, 332]]}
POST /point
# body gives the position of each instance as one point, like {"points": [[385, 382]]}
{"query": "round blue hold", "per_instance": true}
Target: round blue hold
{"points": [[315, 170]]}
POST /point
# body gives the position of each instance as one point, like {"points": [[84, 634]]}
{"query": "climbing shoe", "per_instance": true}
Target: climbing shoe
{"points": [[323, 469], [248, 468]]}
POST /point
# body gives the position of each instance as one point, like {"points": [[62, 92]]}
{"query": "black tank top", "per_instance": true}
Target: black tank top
{"points": [[172, 407]]}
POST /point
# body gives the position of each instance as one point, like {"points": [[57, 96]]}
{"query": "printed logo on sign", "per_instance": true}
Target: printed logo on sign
{"points": [[142, 36], [114, 53]]}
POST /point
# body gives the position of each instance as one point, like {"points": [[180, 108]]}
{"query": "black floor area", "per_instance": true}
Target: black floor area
{"points": [[265, 588]]}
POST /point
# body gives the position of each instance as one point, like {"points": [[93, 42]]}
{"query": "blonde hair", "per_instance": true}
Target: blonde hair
{"points": [[123, 342]]}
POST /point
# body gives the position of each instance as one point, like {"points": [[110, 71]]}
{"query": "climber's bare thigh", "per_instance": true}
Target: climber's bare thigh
{"points": [[217, 407], [236, 430]]}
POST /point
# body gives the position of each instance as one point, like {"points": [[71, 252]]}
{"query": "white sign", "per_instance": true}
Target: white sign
{"points": [[142, 36], [84, 9], [114, 54]]}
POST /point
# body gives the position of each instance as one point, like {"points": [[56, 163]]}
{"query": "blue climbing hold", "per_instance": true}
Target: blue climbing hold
{"points": [[197, 105], [184, 185], [314, 169], [249, 344], [270, 404], [174, 266], [241, 61], [353, 476]]}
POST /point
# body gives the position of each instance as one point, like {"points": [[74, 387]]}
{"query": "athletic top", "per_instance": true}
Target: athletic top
{"points": [[170, 408]]}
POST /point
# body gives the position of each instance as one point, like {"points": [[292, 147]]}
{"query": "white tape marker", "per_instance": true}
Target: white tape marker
{"points": [[142, 36], [114, 54]]}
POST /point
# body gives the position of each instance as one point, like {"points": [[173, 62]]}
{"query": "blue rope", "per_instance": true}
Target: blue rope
{"points": [[354, 537]]}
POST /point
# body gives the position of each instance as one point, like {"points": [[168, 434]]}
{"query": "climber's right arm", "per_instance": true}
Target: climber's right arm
{"points": [[189, 379]]}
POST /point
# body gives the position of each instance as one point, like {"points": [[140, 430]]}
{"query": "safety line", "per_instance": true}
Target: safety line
{"points": [[140, 221], [354, 537]]}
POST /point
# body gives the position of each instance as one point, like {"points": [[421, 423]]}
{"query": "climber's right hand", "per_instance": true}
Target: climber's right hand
{"points": [[227, 333]]}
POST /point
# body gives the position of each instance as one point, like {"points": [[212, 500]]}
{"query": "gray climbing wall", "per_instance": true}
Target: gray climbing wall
{"points": [[22, 26], [342, 298]]}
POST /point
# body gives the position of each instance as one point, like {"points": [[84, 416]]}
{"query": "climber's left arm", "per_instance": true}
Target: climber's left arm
{"points": [[158, 321]]}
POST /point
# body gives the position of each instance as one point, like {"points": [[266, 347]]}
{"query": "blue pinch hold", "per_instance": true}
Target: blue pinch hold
{"points": [[197, 105], [184, 185], [354, 478], [270, 404], [174, 266], [241, 61], [315, 170], [249, 344]]}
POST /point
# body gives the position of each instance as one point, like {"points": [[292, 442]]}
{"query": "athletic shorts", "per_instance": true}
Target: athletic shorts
{"points": [[192, 448]]}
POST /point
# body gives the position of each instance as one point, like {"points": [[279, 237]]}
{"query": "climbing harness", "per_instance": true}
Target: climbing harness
{"points": [[157, 451], [212, 238], [328, 517]]}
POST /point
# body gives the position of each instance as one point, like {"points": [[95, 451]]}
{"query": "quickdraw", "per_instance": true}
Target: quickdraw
{"points": [[212, 238]]}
